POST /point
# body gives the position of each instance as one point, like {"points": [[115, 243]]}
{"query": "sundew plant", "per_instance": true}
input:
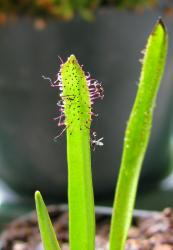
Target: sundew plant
{"points": [[77, 95]]}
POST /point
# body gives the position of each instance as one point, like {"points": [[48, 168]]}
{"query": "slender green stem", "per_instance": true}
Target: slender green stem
{"points": [[137, 135]]}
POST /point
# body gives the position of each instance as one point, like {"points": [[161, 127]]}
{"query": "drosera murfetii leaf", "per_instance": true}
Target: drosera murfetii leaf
{"points": [[78, 92], [77, 95], [137, 135], [48, 235], [78, 121]]}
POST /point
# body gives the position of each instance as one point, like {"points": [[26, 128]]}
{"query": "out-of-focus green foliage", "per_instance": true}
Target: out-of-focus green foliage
{"points": [[65, 9], [135, 3]]}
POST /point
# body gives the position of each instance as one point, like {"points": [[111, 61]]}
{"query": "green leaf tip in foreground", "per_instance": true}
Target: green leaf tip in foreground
{"points": [[137, 135], [78, 92], [47, 232]]}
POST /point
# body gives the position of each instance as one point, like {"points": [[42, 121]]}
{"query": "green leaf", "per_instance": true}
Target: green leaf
{"points": [[77, 109], [137, 135], [135, 3], [48, 235]]}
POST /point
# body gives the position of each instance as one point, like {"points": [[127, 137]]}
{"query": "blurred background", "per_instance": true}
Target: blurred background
{"points": [[106, 37]]}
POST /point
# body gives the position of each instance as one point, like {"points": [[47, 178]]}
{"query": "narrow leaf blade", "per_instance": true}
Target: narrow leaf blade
{"points": [[48, 235], [137, 135]]}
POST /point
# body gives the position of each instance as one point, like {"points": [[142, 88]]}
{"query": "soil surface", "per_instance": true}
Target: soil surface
{"points": [[148, 232]]}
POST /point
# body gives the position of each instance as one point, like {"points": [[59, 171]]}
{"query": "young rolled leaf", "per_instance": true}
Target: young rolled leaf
{"points": [[78, 92], [137, 135], [48, 235]]}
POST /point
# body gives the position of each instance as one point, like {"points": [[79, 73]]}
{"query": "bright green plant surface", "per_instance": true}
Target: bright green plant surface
{"points": [[48, 235], [137, 135], [80, 192]]}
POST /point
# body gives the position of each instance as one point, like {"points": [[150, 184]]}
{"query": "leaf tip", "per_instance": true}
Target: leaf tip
{"points": [[161, 24], [72, 58], [37, 195]]}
